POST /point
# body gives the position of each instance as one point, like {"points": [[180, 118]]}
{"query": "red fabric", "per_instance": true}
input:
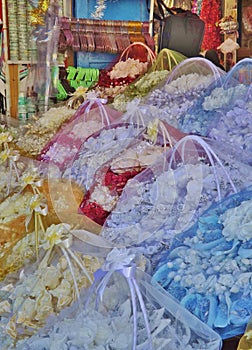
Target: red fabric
{"points": [[93, 210], [115, 182], [211, 14]]}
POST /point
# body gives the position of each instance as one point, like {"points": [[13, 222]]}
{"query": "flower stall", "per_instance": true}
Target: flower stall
{"points": [[126, 186]]}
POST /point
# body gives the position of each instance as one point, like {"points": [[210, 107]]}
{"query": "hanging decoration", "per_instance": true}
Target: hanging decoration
{"points": [[37, 14], [211, 14], [99, 9]]}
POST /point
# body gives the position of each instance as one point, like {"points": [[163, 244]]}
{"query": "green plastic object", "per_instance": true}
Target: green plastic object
{"points": [[61, 94], [76, 77]]}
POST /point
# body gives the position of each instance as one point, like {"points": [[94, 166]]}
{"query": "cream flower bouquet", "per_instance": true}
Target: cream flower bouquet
{"points": [[30, 138], [123, 310], [44, 287]]}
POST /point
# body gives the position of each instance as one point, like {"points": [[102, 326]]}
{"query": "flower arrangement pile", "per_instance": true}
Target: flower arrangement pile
{"points": [[168, 196], [112, 177], [32, 137], [130, 313], [216, 252], [44, 288]]}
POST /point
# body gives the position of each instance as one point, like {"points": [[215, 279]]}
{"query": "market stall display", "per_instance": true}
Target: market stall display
{"points": [[125, 214]]}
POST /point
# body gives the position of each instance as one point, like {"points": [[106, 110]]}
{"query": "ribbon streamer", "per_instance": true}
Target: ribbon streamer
{"points": [[91, 101], [210, 154], [38, 207], [101, 279], [60, 236]]}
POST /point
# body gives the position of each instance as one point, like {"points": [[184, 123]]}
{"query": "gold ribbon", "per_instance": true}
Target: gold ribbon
{"points": [[152, 131], [32, 179], [61, 236], [38, 13], [153, 128], [39, 208]]}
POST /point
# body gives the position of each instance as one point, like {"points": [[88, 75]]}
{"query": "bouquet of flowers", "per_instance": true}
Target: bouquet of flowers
{"points": [[166, 60], [36, 202], [168, 196], [32, 137], [133, 62], [224, 113], [90, 117], [186, 83], [111, 178], [208, 267], [123, 310], [45, 287], [22, 209], [97, 149]]}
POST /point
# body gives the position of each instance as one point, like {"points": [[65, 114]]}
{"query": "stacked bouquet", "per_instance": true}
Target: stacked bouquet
{"points": [[207, 267]]}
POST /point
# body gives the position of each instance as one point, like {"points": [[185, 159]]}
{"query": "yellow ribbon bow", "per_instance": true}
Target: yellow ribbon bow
{"points": [[61, 236]]}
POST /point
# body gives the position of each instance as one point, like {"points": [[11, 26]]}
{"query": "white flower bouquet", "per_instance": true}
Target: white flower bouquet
{"points": [[169, 196], [208, 267], [185, 84], [165, 61], [90, 117], [111, 178], [44, 287], [133, 62], [224, 113], [124, 311], [98, 148]]}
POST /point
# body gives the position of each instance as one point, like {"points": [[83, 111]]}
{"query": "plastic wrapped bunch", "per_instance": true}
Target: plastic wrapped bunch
{"points": [[124, 311], [23, 211], [44, 288], [97, 149], [111, 178], [168, 196], [186, 83], [90, 117], [208, 267], [133, 62], [11, 163], [36, 202], [224, 113], [32, 137], [166, 60]]}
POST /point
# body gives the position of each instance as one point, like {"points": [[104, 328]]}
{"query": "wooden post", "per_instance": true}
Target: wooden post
{"points": [[13, 88]]}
